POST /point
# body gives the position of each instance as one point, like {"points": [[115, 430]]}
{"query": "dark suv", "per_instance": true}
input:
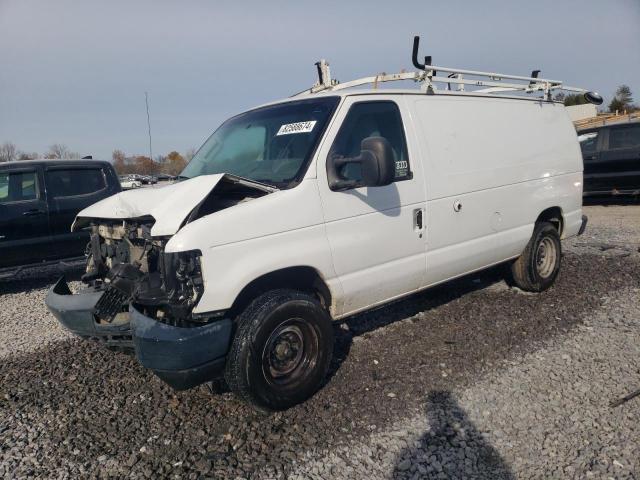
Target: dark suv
{"points": [[39, 200], [611, 157]]}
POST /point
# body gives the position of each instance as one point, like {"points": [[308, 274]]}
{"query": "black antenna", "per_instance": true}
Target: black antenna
{"points": [[146, 100]]}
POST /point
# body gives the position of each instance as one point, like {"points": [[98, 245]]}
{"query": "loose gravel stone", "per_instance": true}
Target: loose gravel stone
{"points": [[489, 382]]}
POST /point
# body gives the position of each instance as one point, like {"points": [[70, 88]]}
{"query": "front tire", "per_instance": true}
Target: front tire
{"points": [[538, 266], [281, 350]]}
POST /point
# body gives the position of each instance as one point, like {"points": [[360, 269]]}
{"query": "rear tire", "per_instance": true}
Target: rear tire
{"points": [[538, 266], [281, 350]]}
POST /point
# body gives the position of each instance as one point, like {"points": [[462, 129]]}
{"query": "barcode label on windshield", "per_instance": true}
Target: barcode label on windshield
{"points": [[300, 127]]}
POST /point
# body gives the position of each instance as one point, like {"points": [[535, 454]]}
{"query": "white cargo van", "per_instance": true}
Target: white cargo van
{"points": [[322, 205]]}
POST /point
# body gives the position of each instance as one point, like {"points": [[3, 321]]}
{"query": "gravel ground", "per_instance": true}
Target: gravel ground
{"points": [[472, 379]]}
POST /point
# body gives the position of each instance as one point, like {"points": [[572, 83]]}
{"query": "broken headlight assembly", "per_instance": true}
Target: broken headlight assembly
{"points": [[181, 286]]}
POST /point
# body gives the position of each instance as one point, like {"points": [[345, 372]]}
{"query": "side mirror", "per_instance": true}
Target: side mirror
{"points": [[376, 161]]}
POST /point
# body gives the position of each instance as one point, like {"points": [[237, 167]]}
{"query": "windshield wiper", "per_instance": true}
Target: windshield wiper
{"points": [[264, 182]]}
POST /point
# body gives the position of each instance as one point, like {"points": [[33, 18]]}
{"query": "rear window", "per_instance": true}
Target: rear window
{"points": [[624, 137], [72, 182], [18, 186]]}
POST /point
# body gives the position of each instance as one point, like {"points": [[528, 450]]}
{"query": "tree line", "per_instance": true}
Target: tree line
{"points": [[622, 101], [9, 152], [172, 163]]}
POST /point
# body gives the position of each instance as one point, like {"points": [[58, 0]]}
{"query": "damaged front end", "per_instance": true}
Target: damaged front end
{"points": [[140, 297], [133, 269]]}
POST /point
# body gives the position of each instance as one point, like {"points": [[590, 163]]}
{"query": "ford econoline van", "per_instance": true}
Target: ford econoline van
{"points": [[319, 206]]}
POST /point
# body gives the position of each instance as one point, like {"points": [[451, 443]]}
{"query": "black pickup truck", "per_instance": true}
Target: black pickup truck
{"points": [[611, 157], [39, 200]]}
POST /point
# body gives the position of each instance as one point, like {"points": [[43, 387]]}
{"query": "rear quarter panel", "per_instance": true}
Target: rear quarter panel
{"points": [[505, 161]]}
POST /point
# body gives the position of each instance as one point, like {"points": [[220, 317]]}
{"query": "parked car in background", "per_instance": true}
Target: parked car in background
{"points": [[39, 200], [149, 179], [164, 177], [611, 156], [127, 183]]}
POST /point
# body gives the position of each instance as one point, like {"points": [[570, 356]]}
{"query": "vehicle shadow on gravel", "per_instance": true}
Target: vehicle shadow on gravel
{"points": [[451, 448], [38, 278], [408, 307]]}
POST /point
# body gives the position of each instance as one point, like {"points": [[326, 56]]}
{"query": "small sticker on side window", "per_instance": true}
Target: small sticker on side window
{"points": [[299, 127], [402, 168]]}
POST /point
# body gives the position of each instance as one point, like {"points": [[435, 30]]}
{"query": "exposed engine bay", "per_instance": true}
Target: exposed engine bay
{"points": [[131, 266]]}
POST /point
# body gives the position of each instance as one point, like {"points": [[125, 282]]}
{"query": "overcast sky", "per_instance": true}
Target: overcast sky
{"points": [[75, 72]]}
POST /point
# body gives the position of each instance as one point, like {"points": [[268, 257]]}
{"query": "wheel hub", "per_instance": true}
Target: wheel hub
{"points": [[285, 350], [545, 259]]}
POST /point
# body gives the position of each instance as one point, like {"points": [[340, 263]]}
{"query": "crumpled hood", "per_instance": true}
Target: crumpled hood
{"points": [[169, 205]]}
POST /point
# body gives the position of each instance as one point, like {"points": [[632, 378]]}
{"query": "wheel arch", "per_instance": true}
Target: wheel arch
{"points": [[554, 216], [301, 277]]}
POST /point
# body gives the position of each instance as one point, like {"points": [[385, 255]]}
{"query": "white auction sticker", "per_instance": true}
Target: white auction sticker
{"points": [[300, 127]]}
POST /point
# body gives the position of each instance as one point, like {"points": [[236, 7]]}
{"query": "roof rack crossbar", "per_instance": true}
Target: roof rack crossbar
{"points": [[492, 75], [427, 75], [495, 85]]}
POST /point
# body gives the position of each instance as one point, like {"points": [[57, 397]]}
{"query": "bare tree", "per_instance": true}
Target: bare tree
{"points": [[189, 154], [27, 155], [57, 150], [61, 151], [119, 158], [8, 152]]}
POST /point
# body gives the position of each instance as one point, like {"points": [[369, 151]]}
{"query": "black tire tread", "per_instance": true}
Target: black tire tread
{"points": [[522, 269], [248, 324]]}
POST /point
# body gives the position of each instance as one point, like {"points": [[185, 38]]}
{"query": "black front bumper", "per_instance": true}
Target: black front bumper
{"points": [[75, 313], [182, 357]]}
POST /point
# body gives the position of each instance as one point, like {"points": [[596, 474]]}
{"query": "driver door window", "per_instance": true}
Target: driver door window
{"points": [[371, 119]]}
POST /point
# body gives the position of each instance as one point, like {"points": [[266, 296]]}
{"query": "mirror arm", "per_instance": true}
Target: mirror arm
{"points": [[340, 162], [339, 183]]}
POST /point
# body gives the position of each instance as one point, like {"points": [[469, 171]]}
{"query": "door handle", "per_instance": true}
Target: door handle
{"points": [[417, 219], [33, 213]]}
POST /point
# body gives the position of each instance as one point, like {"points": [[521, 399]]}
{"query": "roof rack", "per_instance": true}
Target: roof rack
{"points": [[427, 76]]}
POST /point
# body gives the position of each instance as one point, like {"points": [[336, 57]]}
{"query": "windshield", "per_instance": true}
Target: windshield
{"points": [[271, 145]]}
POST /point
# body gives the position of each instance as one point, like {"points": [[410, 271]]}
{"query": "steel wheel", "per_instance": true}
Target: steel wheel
{"points": [[546, 255], [292, 348]]}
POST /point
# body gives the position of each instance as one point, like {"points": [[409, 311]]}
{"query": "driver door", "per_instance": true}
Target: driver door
{"points": [[375, 233]]}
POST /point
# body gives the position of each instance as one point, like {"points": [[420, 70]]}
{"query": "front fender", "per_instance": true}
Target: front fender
{"points": [[227, 269]]}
